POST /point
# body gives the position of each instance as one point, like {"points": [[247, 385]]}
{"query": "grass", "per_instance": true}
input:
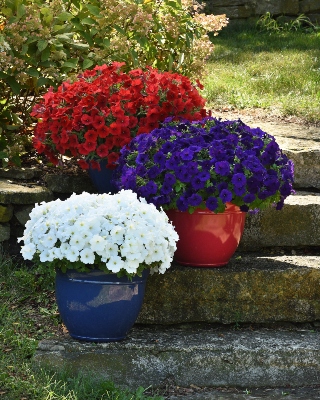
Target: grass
{"points": [[276, 71], [28, 314]]}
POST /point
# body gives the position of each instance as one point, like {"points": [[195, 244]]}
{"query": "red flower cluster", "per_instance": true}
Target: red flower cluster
{"points": [[94, 117]]}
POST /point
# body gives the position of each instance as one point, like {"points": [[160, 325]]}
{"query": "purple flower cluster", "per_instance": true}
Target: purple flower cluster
{"points": [[206, 163]]}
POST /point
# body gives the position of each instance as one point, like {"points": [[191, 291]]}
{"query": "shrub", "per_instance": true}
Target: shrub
{"points": [[41, 44]]}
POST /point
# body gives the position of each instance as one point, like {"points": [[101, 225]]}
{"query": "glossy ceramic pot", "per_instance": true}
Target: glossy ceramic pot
{"points": [[102, 180], [207, 239], [99, 307]]}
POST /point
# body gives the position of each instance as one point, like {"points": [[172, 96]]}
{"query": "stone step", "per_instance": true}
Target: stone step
{"points": [[296, 225], [201, 356], [252, 288]]}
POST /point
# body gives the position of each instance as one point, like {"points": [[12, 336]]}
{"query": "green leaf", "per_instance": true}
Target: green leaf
{"points": [[3, 155], [58, 27], [3, 75], [71, 63], [16, 160], [48, 19], [120, 30], [21, 10], [170, 62], [13, 127], [87, 37], [94, 10], [45, 54], [65, 16], [42, 81], [15, 86], [80, 46], [42, 44], [64, 37], [87, 63], [24, 49], [76, 3], [88, 21], [106, 42], [77, 24], [33, 72], [7, 12], [47, 64]]}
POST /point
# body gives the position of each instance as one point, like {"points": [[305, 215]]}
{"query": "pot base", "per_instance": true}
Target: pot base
{"points": [[97, 340], [206, 239]]}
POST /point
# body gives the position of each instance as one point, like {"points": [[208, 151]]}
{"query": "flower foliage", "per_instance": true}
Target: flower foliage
{"points": [[93, 117], [117, 233], [184, 165]]}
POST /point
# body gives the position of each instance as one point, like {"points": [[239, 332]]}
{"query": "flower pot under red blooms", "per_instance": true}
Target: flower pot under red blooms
{"points": [[101, 177], [207, 239]]}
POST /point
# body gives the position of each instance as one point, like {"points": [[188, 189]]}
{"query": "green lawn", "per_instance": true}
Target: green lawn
{"points": [[28, 314], [277, 71]]}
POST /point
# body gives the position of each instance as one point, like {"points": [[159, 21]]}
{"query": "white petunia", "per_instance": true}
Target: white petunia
{"points": [[77, 241], [87, 256], [72, 255], [121, 230], [28, 251], [115, 264]]}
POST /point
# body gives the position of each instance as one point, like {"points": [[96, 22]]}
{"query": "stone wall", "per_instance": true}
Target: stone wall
{"points": [[21, 189], [238, 9]]}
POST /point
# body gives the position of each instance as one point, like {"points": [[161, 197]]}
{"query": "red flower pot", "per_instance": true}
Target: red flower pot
{"points": [[207, 239]]}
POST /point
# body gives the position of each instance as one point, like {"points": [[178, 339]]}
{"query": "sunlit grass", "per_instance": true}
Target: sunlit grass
{"points": [[254, 69]]}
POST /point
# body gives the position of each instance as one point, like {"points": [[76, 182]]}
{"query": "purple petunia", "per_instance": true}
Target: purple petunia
{"points": [[222, 168], [208, 163], [186, 154], [225, 195], [212, 203], [194, 200], [239, 180]]}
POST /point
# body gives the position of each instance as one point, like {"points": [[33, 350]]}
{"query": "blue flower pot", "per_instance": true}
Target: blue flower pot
{"points": [[102, 180], [99, 307]]}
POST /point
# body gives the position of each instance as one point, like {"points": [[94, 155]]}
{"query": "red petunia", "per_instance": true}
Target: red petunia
{"points": [[83, 164], [90, 146], [103, 131], [115, 129], [102, 150], [91, 135], [105, 108], [98, 121], [86, 119], [95, 165], [113, 157]]}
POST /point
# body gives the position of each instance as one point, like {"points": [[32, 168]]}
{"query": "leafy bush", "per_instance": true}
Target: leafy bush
{"points": [[43, 43], [302, 23]]}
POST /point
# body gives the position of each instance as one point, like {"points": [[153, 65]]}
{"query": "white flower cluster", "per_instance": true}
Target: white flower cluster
{"points": [[120, 229]]}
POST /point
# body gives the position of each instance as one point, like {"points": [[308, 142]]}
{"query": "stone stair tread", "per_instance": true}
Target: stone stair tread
{"points": [[254, 287], [204, 356]]}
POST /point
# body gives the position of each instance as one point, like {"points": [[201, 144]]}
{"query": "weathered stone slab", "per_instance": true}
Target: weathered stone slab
{"points": [[69, 183], [307, 6], [11, 193], [297, 224], [4, 232], [6, 213], [251, 288], [22, 213], [20, 173], [277, 7], [233, 12], [201, 357]]}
